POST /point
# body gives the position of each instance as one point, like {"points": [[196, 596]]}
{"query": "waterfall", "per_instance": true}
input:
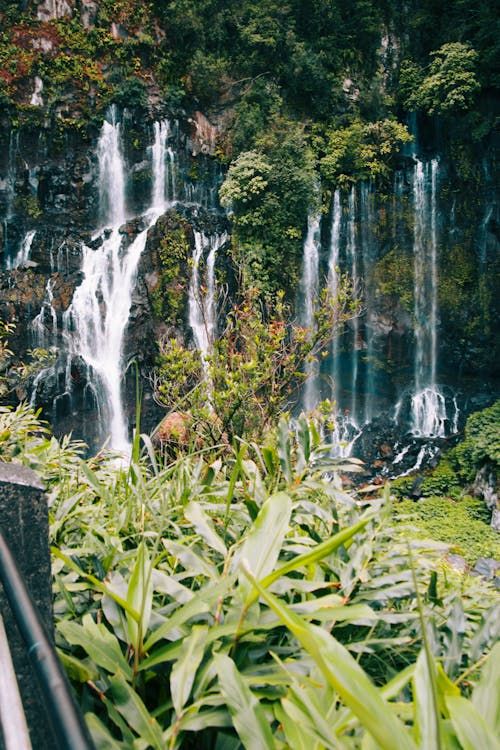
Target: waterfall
{"points": [[333, 288], [340, 437], [428, 404], [163, 167], [368, 250], [39, 325], [10, 185], [310, 293], [202, 292], [96, 321], [111, 174], [158, 149], [482, 241], [23, 253], [352, 260]]}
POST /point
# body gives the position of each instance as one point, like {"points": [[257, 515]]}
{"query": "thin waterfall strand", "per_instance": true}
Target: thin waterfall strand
{"points": [[310, 293], [428, 404]]}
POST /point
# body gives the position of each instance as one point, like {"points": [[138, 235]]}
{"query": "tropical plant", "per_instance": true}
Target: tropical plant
{"points": [[253, 369], [362, 151], [252, 602], [450, 84], [205, 604]]}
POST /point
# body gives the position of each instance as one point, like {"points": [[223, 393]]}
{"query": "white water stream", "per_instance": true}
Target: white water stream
{"points": [[23, 253], [428, 404], [202, 292], [310, 293], [96, 321]]}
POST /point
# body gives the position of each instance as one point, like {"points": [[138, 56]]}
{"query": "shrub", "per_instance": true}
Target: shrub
{"points": [[462, 524], [481, 444]]}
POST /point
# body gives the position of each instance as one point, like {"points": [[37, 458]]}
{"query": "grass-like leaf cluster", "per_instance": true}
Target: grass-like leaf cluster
{"points": [[249, 601]]}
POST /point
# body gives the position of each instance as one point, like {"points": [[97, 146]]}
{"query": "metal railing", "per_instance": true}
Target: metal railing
{"points": [[66, 720]]}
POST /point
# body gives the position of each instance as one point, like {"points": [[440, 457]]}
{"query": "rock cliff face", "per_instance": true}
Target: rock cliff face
{"points": [[51, 198], [53, 213]]}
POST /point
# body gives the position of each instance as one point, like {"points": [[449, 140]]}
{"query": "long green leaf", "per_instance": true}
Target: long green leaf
{"points": [[471, 728], [284, 450], [195, 514], [486, 695], [345, 675], [262, 546], [427, 724], [97, 641], [76, 669], [302, 705], [303, 443], [95, 483], [297, 738], [199, 604], [96, 583], [101, 736], [319, 552], [196, 564], [140, 597], [248, 716], [135, 712], [184, 669]]}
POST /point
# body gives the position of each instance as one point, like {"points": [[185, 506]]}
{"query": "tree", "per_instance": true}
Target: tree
{"points": [[362, 151], [254, 369], [450, 85], [270, 189]]}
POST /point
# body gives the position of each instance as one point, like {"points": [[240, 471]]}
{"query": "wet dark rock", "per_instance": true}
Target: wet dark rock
{"points": [[89, 12], [458, 562], [386, 450], [416, 488], [488, 568]]}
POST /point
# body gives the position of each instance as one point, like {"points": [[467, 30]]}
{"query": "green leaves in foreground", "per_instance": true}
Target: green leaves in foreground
{"points": [[247, 714], [169, 643], [344, 674], [263, 544]]}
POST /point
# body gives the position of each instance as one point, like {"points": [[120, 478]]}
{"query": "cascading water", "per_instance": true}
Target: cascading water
{"points": [[343, 432], [333, 288], [23, 253], [9, 191], [96, 321], [369, 254], [202, 292], [163, 166], [310, 293], [353, 265], [428, 404], [161, 133], [44, 326]]}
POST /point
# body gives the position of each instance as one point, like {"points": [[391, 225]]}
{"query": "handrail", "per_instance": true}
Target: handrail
{"points": [[12, 719], [66, 719]]}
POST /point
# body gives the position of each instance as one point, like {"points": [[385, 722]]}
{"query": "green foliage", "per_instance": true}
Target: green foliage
{"points": [[362, 151], [246, 179], [207, 76], [271, 189], [481, 444], [252, 369], [131, 93], [168, 297], [259, 106], [463, 524], [393, 279], [253, 598], [15, 374], [450, 85]]}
